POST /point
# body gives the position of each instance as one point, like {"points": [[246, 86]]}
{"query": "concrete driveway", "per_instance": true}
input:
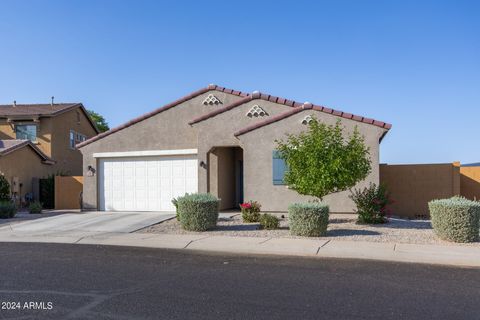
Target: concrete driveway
{"points": [[104, 222]]}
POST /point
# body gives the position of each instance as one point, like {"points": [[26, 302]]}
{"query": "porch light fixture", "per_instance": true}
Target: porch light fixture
{"points": [[90, 171], [203, 164]]}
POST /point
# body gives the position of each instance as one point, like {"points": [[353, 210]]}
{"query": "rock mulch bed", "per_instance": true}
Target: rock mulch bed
{"points": [[341, 227]]}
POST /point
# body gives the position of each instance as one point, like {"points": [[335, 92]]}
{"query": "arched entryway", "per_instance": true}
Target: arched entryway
{"points": [[225, 175]]}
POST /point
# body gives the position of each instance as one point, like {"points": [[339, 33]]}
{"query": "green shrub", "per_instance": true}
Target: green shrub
{"points": [[250, 211], [269, 222], [308, 219], [7, 209], [371, 203], [4, 188], [456, 219], [35, 207], [198, 211]]}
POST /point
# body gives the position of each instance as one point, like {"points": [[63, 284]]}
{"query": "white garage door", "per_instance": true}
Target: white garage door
{"points": [[145, 183]]}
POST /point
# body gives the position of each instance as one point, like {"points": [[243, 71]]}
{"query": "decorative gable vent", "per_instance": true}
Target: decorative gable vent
{"points": [[211, 100], [307, 119], [256, 111]]}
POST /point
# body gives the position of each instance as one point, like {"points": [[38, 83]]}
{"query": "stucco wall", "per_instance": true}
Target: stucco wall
{"points": [[259, 144], [219, 132], [470, 182], [166, 130], [44, 133], [222, 161], [68, 161], [412, 186], [24, 164]]}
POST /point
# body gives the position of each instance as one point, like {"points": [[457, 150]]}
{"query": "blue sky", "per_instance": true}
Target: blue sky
{"points": [[415, 64]]}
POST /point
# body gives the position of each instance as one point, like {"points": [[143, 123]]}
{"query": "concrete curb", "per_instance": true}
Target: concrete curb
{"points": [[452, 255]]}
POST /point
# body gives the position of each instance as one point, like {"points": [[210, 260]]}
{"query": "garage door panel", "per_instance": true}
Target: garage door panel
{"points": [[146, 183]]}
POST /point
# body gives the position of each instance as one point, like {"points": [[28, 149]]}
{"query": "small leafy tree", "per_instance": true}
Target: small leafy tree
{"points": [[99, 120], [4, 189], [323, 160]]}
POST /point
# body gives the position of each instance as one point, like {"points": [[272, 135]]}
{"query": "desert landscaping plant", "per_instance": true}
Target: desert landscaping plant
{"points": [[371, 203], [198, 211], [35, 207], [324, 159], [308, 219], [250, 211], [4, 188], [269, 222], [456, 219], [7, 209]]}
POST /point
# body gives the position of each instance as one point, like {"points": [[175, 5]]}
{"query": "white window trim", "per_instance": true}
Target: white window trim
{"points": [[145, 153]]}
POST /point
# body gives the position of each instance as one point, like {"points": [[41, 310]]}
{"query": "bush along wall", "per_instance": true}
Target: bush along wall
{"points": [[7, 209], [456, 219], [308, 219], [197, 212]]}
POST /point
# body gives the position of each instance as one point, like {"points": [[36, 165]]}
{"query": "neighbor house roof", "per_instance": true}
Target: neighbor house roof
{"points": [[40, 110], [293, 104], [12, 145], [161, 109], [309, 106]]}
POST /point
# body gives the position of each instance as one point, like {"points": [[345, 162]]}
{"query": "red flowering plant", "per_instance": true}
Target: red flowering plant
{"points": [[372, 203], [250, 211]]}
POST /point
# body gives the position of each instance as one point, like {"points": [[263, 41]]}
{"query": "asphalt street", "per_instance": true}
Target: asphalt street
{"points": [[59, 281]]}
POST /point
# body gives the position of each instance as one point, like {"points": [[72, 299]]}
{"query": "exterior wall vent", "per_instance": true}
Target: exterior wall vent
{"points": [[211, 100], [307, 120], [256, 111]]}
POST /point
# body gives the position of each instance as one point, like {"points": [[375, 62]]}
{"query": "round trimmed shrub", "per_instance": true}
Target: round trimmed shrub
{"points": [[35, 207], [269, 222], [198, 211], [456, 219], [308, 219], [7, 209]]}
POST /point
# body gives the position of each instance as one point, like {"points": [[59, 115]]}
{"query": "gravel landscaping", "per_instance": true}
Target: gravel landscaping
{"points": [[341, 227]]}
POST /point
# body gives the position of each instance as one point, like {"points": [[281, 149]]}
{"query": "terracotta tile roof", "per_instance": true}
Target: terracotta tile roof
{"points": [[11, 145], [293, 104], [309, 106], [161, 109]]}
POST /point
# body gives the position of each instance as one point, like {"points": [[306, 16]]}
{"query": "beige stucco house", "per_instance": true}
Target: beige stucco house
{"points": [[214, 140], [37, 140]]}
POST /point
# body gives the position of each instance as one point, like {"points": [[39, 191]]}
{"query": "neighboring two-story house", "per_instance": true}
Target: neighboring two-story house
{"points": [[37, 140]]}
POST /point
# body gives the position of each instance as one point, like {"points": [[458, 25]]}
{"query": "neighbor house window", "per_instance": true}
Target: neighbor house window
{"points": [[26, 132], [72, 139], [75, 138], [279, 167]]}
